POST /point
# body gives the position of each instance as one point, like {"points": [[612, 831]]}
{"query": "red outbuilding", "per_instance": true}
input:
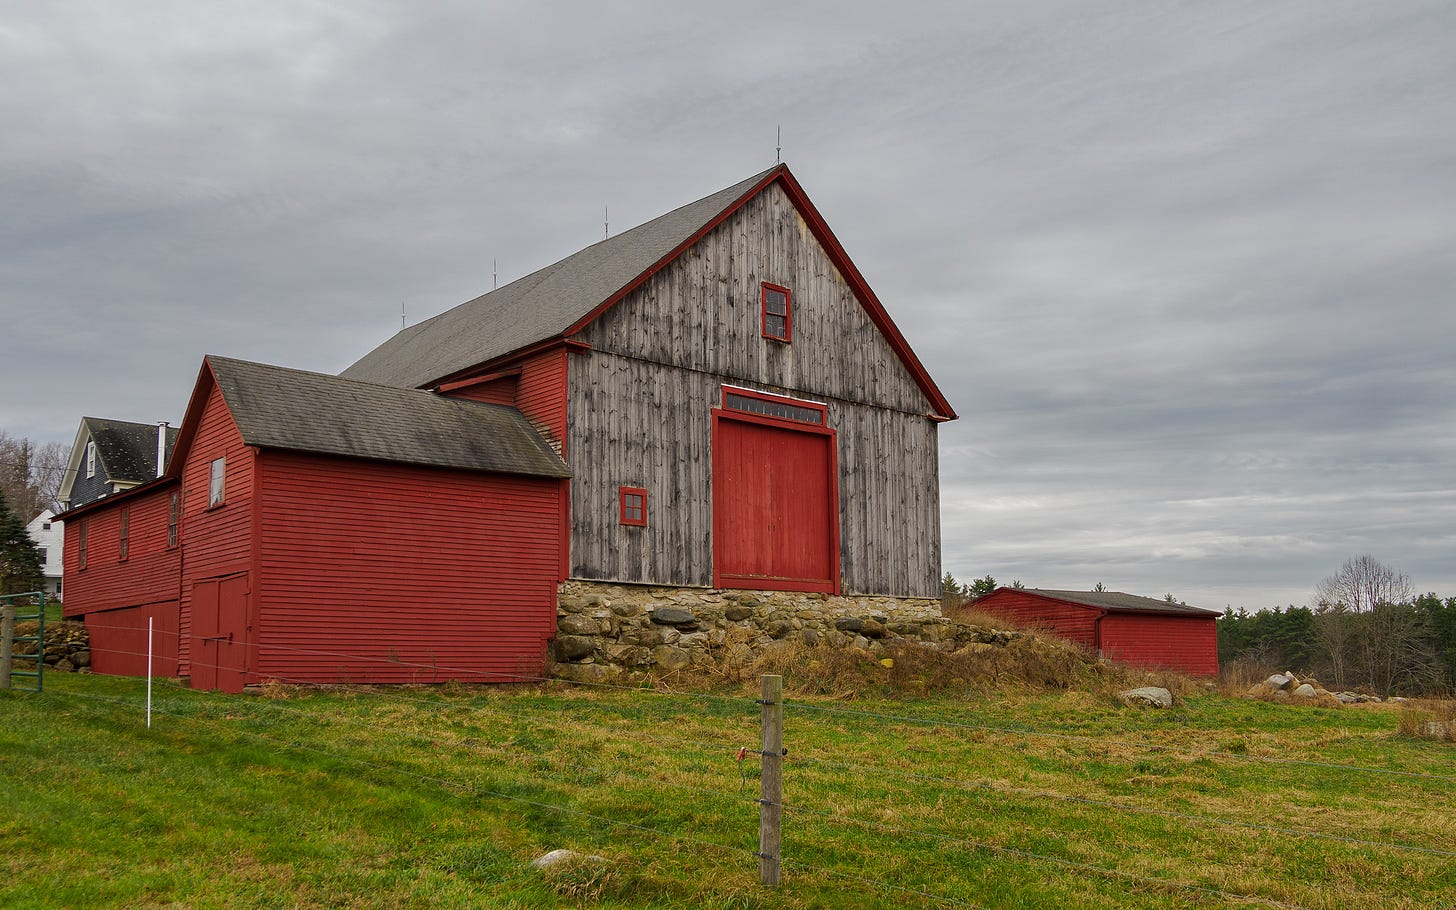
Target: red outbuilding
{"points": [[1122, 627]]}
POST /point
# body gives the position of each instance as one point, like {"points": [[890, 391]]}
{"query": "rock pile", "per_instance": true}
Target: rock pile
{"points": [[1288, 686], [67, 647], [612, 632]]}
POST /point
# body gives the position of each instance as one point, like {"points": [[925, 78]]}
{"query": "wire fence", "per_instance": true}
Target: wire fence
{"points": [[716, 777]]}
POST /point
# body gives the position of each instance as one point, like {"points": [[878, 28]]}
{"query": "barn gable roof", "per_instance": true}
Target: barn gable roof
{"points": [[1117, 602], [563, 298], [280, 408]]}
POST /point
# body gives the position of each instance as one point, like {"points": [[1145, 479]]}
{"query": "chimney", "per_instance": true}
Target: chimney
{"points": [[161, 447]]}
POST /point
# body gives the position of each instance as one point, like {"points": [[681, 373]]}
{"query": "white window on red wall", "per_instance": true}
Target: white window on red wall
{"points": [[215, 482]]}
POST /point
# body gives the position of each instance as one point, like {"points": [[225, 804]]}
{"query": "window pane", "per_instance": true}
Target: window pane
{"points": [[772, 408], [774, 326], [776, 302], [214, 493]]}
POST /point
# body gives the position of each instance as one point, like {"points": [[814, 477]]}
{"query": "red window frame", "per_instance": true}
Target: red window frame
{"points": [[788, 315], [125, 536], [632, 513], [820, 410], [174, 513]]}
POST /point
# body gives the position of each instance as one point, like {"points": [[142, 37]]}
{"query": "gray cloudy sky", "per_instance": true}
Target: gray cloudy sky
{"points": [[1184, 268]]}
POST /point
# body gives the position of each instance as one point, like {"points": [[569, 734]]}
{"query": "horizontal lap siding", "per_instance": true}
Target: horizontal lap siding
{"points": [[541, 394], [388, 573], [119, 639], [1070, 621], [1187, 644], [148, 575], [216, 541], [496, 391]]}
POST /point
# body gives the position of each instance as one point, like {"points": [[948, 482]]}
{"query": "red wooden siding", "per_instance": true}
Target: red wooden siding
{"points": [[501, 390], [1188, 644], [147, 575], [541, 394], [218, 541], [390, 573], [119, 639], [1071, 621], [775, 505]]}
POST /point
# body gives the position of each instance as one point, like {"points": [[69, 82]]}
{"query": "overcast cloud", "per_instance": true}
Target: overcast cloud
{"points": [[1184, 269]]}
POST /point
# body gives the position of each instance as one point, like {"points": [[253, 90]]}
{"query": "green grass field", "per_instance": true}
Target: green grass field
{"points": [[441, 797]]}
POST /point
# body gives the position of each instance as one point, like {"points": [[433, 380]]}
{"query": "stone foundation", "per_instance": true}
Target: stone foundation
{"points": [[616, 632]]}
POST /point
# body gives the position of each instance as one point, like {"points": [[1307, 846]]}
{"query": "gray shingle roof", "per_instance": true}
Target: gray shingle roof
{"points": [[280, 408], [128, 451], [1116, 601], [539, 306]]}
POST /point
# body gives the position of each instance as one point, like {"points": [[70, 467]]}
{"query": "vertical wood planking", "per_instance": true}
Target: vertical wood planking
{"points": [[640, 402]]}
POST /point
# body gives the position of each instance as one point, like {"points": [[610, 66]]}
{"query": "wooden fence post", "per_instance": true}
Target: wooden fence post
{"points": [[7, 643], [771, 791]]}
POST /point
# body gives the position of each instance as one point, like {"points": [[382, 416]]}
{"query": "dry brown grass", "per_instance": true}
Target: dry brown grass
{"points": [[1428, 718], [897, 669]]}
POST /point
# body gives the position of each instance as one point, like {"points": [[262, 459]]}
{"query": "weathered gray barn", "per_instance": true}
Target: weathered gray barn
{"points": [[736, 406]]}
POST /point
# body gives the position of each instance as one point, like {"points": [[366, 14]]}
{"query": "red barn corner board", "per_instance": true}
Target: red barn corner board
{"points": [[713, 399]]}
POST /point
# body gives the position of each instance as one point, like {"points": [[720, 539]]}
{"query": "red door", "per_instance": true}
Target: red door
{"points": [[775, 506], [219, 629]]}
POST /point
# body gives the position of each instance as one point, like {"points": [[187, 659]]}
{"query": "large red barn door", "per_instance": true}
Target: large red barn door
{"points": [[219, 630], [775, 505]]}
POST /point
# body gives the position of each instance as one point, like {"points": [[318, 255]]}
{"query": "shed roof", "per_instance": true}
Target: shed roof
{"points": [[1115, 601], [564, 297], [281, 408]]}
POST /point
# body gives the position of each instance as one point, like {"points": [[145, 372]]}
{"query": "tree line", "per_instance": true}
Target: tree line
{"points": [[1368, 629]]}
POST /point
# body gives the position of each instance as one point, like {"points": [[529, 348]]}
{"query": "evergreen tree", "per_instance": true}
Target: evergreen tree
{"points": [[21, 567]]}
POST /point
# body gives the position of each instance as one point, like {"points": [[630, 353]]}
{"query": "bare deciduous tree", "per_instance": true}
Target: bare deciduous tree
{"points": [[31, 474], [1363, 583], [1369, 632]]}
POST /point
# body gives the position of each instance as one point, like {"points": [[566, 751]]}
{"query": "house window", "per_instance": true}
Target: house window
{"points": [[45, 556], [174, 510], [90, 459], [633, 502], [81, 546], [214, 485], [125, 531], [45, 526], [778, 317]]}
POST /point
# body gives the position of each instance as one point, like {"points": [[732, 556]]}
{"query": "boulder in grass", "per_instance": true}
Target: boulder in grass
{"points": [[1148, 696], [562, 857], [1281, 681], [1306, 691]]}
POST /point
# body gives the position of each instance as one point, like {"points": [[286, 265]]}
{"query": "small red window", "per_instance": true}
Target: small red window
{"points": [[125, 532], [634, 506], [778, 313]]}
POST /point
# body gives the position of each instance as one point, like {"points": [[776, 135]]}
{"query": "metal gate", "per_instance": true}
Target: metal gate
{"points": [[22, 608]]}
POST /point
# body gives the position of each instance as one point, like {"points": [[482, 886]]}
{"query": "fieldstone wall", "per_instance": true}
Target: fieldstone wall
{"points": [[609, 632], [67, 647]]}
